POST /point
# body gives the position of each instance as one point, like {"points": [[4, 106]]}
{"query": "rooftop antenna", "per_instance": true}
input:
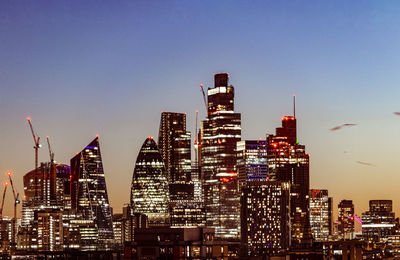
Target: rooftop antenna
{"points": [[294, 105]]}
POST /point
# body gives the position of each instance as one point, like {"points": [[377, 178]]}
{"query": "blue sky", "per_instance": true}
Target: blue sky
{"points": [[84, 67]]}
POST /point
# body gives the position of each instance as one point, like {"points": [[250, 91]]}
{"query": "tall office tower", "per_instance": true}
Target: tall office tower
{"points": [[265, 218], [149, 190], [220, 132], [346, 219], [89, 191], [118, 223], [288, 162], [321, 215], [252, 161], [379, 222], [174, 144]]}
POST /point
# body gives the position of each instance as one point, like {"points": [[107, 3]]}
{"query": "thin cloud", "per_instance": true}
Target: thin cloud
{"points": [[341, 126], [366, 163]]}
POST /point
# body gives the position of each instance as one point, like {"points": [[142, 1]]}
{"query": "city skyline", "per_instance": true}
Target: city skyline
{"points": [[329, 94]]}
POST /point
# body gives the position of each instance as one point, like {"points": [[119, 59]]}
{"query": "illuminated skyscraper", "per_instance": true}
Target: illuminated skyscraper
{"points": [[346, 219], [220, 132], [252, 161], [265, 218], [321, 218], [288, 162], [174, 145], [149, 190], [89, 191], [379, 222]]}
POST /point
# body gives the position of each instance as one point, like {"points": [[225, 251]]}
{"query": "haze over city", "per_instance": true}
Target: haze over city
{"points": [[92, 68]]}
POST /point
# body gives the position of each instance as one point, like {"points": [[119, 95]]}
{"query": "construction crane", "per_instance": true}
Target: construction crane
{"points": [[196, 145], [51, 153], [14, 219], [52, 172], [204, 96], [2, 202], [15, 194], [36, 140]]}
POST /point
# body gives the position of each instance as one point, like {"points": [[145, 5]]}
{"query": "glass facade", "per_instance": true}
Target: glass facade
{"points": [[321, 218], [89, 191], [252, 161], [149, 190], [220, 132]]}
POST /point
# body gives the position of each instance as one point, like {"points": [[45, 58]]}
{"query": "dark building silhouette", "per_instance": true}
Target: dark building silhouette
{"points": [[288, 162], [89, 195], [265, 218], [149, 190], [220, 132]]}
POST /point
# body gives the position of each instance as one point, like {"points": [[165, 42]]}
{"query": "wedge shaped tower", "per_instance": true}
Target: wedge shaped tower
{"points": [[89, 196], [149, 191]]}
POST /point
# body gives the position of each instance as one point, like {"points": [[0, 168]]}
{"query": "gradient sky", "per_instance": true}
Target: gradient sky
{"points": [[79, 68]]}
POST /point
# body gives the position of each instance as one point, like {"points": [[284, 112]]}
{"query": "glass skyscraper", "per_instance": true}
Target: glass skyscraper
{"points": [[220, 132], [89, 191], [149, 190], [252, 161], [321, 215]]}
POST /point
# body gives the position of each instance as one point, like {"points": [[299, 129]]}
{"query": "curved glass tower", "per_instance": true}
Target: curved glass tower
{"points": [[149, 191]]}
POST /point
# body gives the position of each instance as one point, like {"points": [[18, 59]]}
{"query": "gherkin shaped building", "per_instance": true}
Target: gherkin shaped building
{"points": [[149, 191]]}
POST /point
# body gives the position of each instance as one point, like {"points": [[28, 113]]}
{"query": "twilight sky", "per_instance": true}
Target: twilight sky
{"points": [[79, 68]]}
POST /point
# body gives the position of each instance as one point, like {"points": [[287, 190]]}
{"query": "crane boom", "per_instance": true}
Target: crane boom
{"points": [[14, 219], [2, 202], [204, 96], [36, 139], [51, 153], [33, 132], [196, 145], [15, 194]]}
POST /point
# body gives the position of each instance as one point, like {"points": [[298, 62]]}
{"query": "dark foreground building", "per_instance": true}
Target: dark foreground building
{"points": [[181, 243], [265, 216]]}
